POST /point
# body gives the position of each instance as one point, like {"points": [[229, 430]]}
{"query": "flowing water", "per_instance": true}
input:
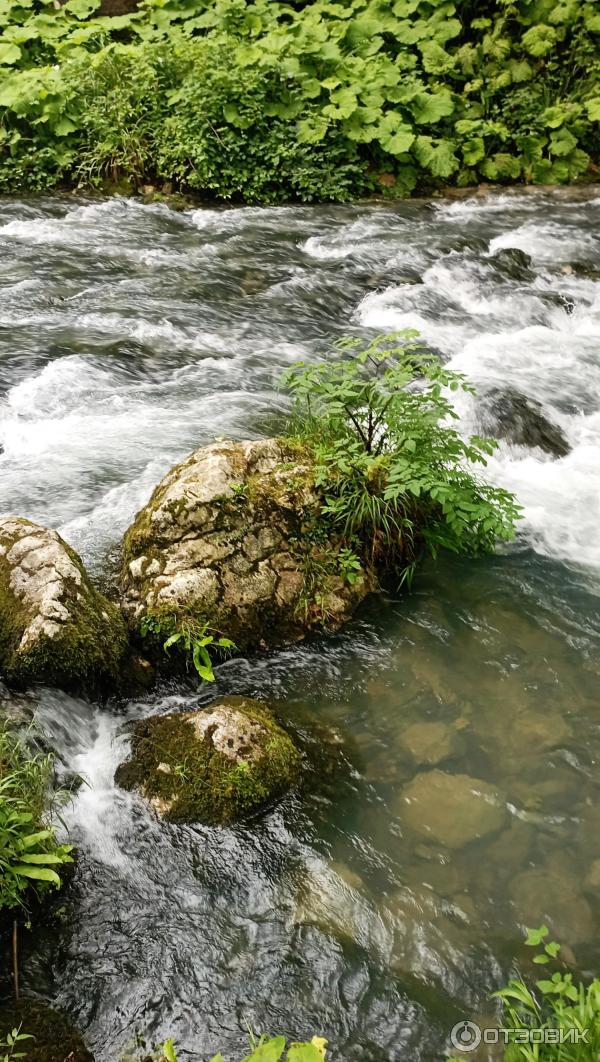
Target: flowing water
{"points": [[130, 334]]}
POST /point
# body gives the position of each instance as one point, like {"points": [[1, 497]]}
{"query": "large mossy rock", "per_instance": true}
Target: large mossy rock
{"points": [[233, 537], [55, 627], [214, 766]]}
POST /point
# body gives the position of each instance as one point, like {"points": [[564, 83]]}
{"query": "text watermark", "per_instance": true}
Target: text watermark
{"points": [[467, 1036]]}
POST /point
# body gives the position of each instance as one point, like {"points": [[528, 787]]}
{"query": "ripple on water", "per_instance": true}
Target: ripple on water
{"points": [[129, 334]]}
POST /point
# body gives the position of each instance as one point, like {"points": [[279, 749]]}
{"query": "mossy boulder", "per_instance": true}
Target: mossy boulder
{"points": [[55, 626], [53, 1038], [215, 766], [234, 536]]}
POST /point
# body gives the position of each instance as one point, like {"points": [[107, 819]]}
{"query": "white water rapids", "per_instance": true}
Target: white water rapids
{"points": [[130, 334]]}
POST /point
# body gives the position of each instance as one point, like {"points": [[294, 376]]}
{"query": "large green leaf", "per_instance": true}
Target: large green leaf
{"points": [[9, 53], [428, 108], [437, 156], [36, 873], [399, 141], [562, 142], [539, 40], [304, 1053], [435, 59], [473, 150], [41, 858], [269, 1052]]}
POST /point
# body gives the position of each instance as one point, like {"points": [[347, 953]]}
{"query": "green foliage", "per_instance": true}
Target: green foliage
{"points": [[397, 477], [268, 1050], [559, 1004], [190, 636], [267, 101], [29, 853], [10, 1045]]}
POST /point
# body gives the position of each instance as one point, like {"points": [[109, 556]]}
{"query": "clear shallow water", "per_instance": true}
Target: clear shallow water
{"points": [[130, 334]]}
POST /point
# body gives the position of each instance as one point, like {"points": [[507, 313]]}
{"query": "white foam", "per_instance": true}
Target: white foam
{"points": [[547, 242]]}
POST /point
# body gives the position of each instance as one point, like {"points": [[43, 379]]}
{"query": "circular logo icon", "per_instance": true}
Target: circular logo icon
{"points": [[465, 1036]]}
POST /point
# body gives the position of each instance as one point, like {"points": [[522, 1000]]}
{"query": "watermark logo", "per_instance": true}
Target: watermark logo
{"points": [[466, 1036]]}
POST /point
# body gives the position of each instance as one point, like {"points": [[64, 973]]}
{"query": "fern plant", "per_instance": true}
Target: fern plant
{"points": [[395, 474], [30, 856]]}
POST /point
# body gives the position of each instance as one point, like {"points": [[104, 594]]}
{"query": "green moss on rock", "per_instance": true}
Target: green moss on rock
{"points": [[234, 536], [216, 765], [55, 626], [53, 1037]]}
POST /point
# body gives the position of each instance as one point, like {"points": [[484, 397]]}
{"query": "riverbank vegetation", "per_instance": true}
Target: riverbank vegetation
{"points": [[30, 855], [554, 1020], [399, 481], [268, 101]]}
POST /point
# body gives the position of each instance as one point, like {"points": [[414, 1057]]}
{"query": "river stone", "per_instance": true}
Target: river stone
{"points": [[225, 538], [513, 263], [55, 627], [591, 882], [216, 765], [543, 895], [507, 414], [430, 743], [451, 809]]}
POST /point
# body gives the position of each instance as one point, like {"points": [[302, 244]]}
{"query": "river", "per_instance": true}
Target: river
{"points": [[130, 334]]}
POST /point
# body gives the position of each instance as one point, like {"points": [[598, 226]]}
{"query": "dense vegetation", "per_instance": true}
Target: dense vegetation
{"points": [[29, 853], [398, 479], [568, 1013], [271, 100]]}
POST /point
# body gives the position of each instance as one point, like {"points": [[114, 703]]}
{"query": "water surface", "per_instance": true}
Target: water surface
{"points": [[130, 334]]}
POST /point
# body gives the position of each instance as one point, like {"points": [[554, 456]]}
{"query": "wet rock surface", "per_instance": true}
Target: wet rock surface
{"points": [[216, 765], [507, 414], [431, 743], [549, 895], [226, 537], [55, 626], [451, 809]]}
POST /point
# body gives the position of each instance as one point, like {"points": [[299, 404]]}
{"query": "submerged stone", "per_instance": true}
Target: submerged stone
{"points": [[451, 809], [226, 539], [53, 1038], [216, 765], [55, 626], [430, 743], [544, 895]]}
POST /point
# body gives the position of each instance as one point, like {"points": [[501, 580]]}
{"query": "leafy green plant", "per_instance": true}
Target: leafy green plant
{"points": [[267, 1049], [267, 100], [29, 853], [10, 1045], [189, 635], [559, 1005], [349, 565], [565, 1015], [396, 476]]}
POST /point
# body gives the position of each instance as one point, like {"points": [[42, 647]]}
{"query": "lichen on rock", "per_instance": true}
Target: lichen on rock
{"points": [[55, 626], [233, 536], [216, 765]]}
